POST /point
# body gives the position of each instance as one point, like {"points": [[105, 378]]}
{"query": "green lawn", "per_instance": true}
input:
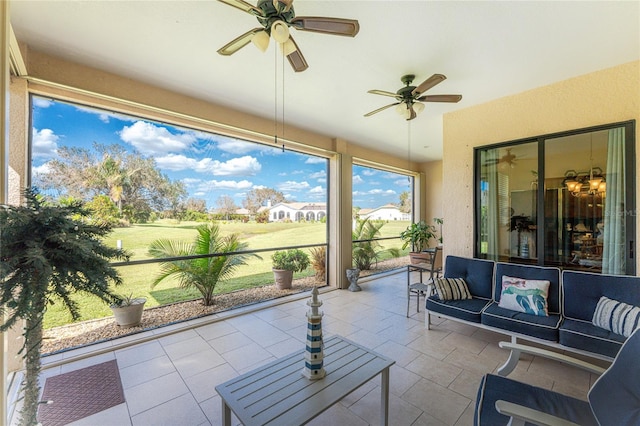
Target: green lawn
{"points": [[137, 278]]}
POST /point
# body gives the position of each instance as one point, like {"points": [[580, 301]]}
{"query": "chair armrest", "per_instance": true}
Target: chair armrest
{"points": [[565, 359], [520, 414]]}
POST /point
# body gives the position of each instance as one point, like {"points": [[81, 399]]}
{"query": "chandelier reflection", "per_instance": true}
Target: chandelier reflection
{"points": [[580, 184]]}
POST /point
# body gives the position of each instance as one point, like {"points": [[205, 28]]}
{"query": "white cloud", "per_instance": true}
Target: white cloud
{"points": [[315, 160], [242, 166], [293, 186], [373, 192], [42, 103], [45, 143], [212, 185], [234, 146], [402, 182], [369, 172], [381, 192], [41, 170], [356, 180], [150, 139], [318, 175], [317, 190], [105, 116]]}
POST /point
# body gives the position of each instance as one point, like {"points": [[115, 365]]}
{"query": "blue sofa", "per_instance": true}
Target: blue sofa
{"points": [[572, 300], [582, 291]]}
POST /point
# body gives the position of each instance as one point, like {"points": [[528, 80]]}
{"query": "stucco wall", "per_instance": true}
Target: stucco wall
{"points": [[607, 96]]}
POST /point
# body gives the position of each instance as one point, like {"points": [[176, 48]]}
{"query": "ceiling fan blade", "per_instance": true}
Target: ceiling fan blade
{"points": [[428, 84], [335, 26], [244, 6], [412, 113], [297, 61], [381, 109], [440, 98], [239, 42], [383, 93]]}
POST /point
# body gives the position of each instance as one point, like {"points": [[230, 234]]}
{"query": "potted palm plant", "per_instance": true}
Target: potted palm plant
{"points": [[285, 263], [49, 252], [418, 235]]}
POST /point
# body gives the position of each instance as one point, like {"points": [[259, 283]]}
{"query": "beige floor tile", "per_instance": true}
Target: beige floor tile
{"points": [[195, 363], [399, 353], [183, 410], [217, 329], [467, 383], [437, 401], [229, 342], [142, 372], [154, 393], [338, 415], [435, 370]]}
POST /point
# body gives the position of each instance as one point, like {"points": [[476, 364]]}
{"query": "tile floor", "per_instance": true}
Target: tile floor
{"points": [[170, 380]]}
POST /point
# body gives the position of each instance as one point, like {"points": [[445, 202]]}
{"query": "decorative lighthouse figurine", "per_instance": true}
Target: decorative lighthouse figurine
{"points": [[314, 355]]}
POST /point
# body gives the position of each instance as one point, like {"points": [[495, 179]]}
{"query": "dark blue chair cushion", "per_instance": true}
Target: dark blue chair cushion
{"points": [[517, 322], [494, 388], [466, 309], [586, 336], [583, 290], [529, 272], [478, 274], [615, 396]]}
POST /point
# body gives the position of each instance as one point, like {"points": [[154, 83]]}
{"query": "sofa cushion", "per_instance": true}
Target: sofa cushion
{"points": [[517, 322], [616, 316], [588, 288], [452, 288], [466, 309], [477, 273], [493, 388], [528, 296], [529, 272], [585, 336]]}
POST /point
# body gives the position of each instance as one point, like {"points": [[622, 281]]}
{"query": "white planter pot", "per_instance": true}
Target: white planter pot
{"points": [[130, 315], [283, 278]]}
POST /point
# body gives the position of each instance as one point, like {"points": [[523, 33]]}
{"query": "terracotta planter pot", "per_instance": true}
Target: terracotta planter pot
{"points": [[130, 315], [416, 258], [283, 278]]}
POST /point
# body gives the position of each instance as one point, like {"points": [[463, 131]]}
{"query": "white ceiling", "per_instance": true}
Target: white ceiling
{"points": [[487, 50]]}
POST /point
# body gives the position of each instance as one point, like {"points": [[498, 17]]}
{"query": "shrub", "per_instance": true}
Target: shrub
{"points": [[291, 260]]}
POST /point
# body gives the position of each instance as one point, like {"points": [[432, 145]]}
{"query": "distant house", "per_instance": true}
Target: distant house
{"points": [[297, 212], [386, 212]]}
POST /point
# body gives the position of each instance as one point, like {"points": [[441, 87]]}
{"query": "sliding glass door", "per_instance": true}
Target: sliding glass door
{"points": [[564, 200]]}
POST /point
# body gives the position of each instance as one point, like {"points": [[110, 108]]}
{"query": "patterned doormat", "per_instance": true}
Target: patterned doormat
{"points": [[80, 393]]}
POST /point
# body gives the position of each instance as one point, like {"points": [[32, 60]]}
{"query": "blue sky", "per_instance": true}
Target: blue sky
{"points": [[209, 165]]}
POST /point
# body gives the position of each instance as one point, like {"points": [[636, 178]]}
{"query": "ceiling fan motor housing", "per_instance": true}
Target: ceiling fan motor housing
{"points": [[271, 15]]}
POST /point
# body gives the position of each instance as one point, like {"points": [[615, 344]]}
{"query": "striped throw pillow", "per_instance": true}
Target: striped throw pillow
{"points": [[452, 289], [616, 316]]}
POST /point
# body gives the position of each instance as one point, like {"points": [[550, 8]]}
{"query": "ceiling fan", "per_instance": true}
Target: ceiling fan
{"points": [[276, 16], [410, 97], [507, 160]]}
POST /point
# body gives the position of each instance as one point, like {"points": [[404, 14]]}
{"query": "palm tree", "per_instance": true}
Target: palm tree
{"points": [[202, 273], [366, 250], [48, 252]]}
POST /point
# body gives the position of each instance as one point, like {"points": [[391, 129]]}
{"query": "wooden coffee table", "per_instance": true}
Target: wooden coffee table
{"points": [[278, 393]]}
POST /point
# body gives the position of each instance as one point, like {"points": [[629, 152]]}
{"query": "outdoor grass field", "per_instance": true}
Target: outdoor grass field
{"points": [[137, 279]]}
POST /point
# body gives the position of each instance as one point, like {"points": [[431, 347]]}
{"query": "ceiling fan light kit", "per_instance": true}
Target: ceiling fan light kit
{"points": [[276, 16], [409, 98]]}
